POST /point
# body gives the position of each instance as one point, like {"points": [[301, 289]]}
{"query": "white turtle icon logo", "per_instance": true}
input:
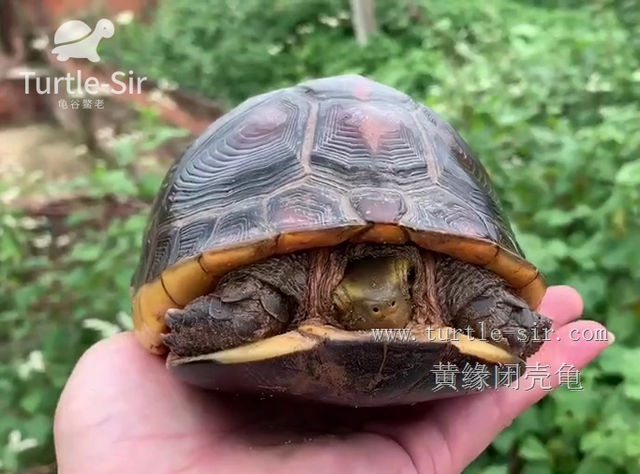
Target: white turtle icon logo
{"points": [[76, 40]]}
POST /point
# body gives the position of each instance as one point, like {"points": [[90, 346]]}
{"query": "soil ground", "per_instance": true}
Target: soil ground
{"points": [[34, 161]]}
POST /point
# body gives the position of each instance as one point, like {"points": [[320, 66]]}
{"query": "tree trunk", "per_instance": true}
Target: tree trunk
{"points": [[363, 17], [8, 23]]}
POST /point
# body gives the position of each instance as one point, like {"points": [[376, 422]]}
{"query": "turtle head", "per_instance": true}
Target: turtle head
{"points": [[105, 28], [375, 293]]}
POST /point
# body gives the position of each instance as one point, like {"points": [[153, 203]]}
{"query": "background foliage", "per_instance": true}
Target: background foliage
{"points": [[548, 94]]}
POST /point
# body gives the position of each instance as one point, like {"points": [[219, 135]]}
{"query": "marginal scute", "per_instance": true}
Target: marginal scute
{"points": [[218, 262], [386, 234], [149, 308], [187, 281], [297, 241], [474, 251], [534, 292], [506, 240], [519, 273], [159, 253]]}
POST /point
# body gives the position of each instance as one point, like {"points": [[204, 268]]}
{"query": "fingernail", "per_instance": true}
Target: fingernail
{"points": [[611, 338]]}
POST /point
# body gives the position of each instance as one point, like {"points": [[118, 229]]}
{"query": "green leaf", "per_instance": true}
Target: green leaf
{"points": [[31, 402], [536, 468], [593, 465], [500, 469], [629, 174], [532, 449]]}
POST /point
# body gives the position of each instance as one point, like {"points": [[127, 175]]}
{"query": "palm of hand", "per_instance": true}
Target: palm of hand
{"points": [[122, 412]]}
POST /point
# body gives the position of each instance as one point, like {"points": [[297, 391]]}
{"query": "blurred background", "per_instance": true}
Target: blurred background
{"points": [[546, 92]]}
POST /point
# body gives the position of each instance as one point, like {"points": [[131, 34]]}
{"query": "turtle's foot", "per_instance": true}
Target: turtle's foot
{"points": [[499, 317], [240, 311]]}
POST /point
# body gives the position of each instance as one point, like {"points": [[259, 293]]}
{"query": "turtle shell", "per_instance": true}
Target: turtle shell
{"points": [[71, 31], [315, 165]]}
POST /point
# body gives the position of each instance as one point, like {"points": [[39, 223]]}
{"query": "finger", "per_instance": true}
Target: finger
{"points": [[469, 426], [119, 394], [563, 304], [572, 347]]}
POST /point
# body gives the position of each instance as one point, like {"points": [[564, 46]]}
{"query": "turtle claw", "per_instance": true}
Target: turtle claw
{"points": [[169, 340], [208, 324], [172, 315]]}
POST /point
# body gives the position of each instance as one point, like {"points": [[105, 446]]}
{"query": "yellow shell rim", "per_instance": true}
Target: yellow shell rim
{"points": [[308, 337], [182, 282]]}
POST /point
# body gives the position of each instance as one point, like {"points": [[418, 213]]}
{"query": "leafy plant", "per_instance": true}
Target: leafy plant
{"points": [[65, 284]]}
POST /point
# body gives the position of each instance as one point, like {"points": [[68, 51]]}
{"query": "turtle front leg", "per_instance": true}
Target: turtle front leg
{"points": [[244, 312], [481, 306], [497, 316], [248, 305]]}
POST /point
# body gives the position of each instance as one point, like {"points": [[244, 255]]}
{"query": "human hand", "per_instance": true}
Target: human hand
{"points": [[122, 412]]}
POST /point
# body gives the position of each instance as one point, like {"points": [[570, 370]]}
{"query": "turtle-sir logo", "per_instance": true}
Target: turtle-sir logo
{"points": [[74, 39]]}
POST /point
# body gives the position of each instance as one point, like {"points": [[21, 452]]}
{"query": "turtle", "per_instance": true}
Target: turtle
{"points": [[76, 40], [335, 241]]}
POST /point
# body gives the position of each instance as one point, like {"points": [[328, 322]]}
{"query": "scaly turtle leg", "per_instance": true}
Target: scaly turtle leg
{"points": [[479, 303], [249, 304]]}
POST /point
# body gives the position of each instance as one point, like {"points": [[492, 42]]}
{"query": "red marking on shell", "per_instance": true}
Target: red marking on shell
{"points": [[264, 121], [385, 209], [362, 88], [372, 124], [291, 218], [467, 227]]}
